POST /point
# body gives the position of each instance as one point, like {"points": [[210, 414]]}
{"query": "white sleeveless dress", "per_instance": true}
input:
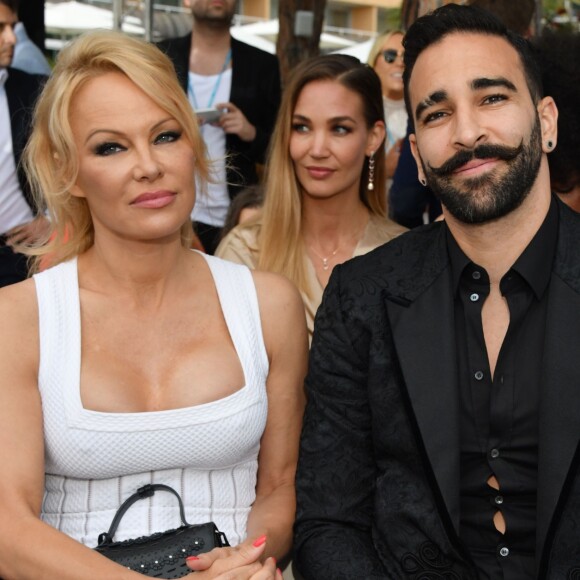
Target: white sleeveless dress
{"points": [[94, 460]]}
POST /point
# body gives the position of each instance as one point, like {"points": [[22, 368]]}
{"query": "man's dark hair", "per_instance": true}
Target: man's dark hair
{"points": [[12, 4], [556, 54], [452, 18], [515, 14]]}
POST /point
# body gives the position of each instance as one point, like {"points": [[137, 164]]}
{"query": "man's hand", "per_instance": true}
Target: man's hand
{"points": [[233, 121], [29, 233]]}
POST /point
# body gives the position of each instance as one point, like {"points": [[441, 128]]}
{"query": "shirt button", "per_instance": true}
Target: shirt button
{"points": [[494, 453], [504, 552], [498, 499], [474, 297], [476, 275], [478, 375]]}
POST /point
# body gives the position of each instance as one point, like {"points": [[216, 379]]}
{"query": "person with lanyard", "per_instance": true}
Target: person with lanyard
{"points": [[240, 85], [21, 222]]}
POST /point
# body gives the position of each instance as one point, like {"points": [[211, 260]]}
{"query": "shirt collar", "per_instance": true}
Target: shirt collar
{"points": [[534, 263], [458, 259], [3, 76]]}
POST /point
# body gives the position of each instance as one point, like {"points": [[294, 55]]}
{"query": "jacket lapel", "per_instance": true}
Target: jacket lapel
{"points": [[423, 333], [559, 428]]}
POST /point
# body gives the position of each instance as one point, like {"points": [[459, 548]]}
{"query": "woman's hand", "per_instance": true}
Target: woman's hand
{"points": [[238, 563]]}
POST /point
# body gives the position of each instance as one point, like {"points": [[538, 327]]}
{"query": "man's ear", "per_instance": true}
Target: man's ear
{"points": [[548, 115], [415, 152]]}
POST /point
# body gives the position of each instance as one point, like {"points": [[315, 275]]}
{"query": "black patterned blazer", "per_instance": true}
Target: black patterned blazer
{"points": [[255, 91], [378, 475]]}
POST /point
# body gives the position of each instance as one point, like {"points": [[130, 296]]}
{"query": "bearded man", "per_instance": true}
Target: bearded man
{"points": [[240, 82], [441, 438]]}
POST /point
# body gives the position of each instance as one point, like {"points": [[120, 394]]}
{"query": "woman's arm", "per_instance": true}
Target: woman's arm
{"points": [[272, 515], [29, 548], [284, 328]]}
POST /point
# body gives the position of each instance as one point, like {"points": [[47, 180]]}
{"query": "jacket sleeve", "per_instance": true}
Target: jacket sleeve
{"points": [[336, 470], [264, 116]]}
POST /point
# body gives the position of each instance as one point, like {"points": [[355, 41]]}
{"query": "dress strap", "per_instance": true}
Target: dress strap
{"points": [[239, 301], [57, 294]]}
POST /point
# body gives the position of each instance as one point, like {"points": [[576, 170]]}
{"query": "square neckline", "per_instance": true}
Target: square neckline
{"points": [[167, 412]]}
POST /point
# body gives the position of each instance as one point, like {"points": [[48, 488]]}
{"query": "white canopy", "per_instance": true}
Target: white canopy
{"points": [[67, 18], [361, 50], [268, 30]]}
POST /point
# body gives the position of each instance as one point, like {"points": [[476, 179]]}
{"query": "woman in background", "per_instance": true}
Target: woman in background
{"points": [[130, 362], [325, 196], [386, 57]]}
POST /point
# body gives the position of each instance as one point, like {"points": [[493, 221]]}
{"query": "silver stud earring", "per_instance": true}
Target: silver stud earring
{"points": [[549, 144], [423, 181], [371, 184]]}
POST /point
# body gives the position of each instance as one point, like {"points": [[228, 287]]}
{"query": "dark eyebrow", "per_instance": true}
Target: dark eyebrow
{"points": [[432, 99], [120, 133], [485, 83], [340, 119]]}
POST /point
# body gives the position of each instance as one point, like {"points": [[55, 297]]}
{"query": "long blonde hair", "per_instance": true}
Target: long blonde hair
{"points": [[51, 159], [281, 247]]}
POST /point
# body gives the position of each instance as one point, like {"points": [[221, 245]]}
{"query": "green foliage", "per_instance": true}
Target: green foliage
{"points": [[551, 6]]}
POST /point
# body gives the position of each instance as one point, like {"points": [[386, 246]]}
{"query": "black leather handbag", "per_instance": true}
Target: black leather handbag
{"points": [[160, 555]]}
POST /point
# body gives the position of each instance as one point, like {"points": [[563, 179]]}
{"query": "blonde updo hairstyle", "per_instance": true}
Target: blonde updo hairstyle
{"points": [[51, 158]]}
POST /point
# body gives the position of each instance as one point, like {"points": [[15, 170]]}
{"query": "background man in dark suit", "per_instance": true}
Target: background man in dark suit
{"points": [[19, 219], [441, 438], [241, 81]]}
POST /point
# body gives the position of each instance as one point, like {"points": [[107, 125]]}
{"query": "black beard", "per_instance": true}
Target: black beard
{"points": [[215, 21], [488, 197]]}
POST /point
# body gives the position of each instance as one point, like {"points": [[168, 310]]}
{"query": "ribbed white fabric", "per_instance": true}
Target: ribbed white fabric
{"points": [[94, 460]]}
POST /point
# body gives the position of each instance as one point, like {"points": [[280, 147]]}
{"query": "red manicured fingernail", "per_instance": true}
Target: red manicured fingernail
{"points": [[279, 571], [191, 558], [261, 540]]}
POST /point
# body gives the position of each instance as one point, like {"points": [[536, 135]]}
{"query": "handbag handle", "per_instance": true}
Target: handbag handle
{"points": [[142, 493]]}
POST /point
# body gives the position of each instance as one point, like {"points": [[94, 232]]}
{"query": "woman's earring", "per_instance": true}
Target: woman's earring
{"points": [[371, 184], [423, 181], [550, 145]]}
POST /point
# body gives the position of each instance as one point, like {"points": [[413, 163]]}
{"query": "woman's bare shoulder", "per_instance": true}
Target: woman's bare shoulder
{"points": [[275, 290], [19, 329], [281, 309], [18, 308]]}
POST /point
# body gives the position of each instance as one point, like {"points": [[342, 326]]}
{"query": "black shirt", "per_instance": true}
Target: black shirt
{"points": [[499, 415]]}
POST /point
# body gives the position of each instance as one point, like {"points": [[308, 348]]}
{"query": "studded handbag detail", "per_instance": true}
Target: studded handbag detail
{"points": [[163, 554]]}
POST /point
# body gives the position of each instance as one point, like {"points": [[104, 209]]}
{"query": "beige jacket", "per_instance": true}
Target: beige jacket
{"points": [[241, 246]]}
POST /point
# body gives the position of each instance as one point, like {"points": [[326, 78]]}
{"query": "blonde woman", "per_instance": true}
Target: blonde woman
{"points": [[129, 362], [386, 57], [325, 196]]}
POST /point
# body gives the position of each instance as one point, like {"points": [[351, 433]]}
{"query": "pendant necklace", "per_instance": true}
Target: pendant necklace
{"points": [[325, 260]]}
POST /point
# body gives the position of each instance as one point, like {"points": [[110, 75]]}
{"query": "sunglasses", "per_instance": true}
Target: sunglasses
{"points": [[390, 55]]}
